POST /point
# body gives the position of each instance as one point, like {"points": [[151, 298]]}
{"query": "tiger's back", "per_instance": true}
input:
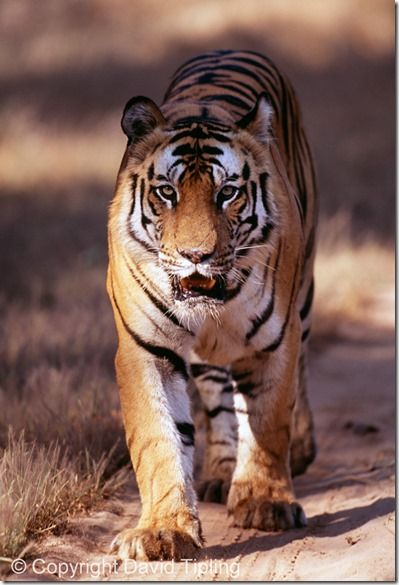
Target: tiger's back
{"points": [[212, 242]]}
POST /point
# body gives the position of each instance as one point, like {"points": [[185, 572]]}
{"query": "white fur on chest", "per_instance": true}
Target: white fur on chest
{"points": [[224, 341]]}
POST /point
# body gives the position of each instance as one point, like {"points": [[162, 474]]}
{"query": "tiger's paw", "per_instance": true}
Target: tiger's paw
{"points": [[152, 544], [214, 490], [270, 516], [263, 513]]}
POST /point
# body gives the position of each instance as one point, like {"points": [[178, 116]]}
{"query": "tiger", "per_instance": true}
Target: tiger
{"points": [[211, 238]]}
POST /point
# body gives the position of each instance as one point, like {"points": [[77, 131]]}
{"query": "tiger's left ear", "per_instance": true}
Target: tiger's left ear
{"points": [[140, 117], [258, 121]]}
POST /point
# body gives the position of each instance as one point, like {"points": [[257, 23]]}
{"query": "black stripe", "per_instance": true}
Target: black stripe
{"points": [[231, 294], [181, 135], [267, 312], [216, 411], [144, 219], [277, 342], [255, 77], [263, 189], [305, 334], [205, 79], [177, 162], [195, 71], [148, 247], [254, 193], [242, 85], [133, 186], [266, 230], [310, 243], [267, 67], [238, 88], [211, 65], [211, 150], [184, 150], [159, 305], [150, 172], [157, 351], [152, 205], [187, 432], [252, 220], [220, 137], [241, 375], [160, 177], [200, 369], [214, 161], [286, 122], [268, 62], [197, 132], [246, 389], [160, 295], [229, 99], [205, 57], [187, 122], [229, 67], [207, 62], [304, 312]]}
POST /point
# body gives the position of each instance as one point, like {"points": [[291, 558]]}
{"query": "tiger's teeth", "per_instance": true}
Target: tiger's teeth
{"points": [[198, 282]]}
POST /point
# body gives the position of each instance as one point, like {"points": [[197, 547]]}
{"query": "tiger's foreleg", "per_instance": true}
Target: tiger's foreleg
{"points": [[215, 387], [261, 494], [160, 438], [303, 444]]}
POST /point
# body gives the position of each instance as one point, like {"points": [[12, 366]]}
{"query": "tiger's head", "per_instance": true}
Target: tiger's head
{"points": [[196, 193]]}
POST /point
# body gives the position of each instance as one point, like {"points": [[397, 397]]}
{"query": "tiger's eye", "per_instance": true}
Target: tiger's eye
{"points": [[226, 193], [167, 192]]}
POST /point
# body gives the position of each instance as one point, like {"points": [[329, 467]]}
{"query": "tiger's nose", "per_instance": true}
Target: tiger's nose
{"points": [[195, 255]]}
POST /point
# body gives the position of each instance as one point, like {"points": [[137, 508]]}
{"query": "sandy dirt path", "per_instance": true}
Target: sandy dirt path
{"points": [[348, 495]]}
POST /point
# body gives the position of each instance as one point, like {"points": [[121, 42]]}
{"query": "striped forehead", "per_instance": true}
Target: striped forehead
{"points": [[171, 161]]}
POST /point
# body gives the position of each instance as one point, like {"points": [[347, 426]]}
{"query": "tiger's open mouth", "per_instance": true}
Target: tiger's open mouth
{"points": [[197, 286]]}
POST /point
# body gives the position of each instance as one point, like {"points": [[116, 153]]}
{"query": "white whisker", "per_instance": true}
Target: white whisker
{"points": [[252, 247]]}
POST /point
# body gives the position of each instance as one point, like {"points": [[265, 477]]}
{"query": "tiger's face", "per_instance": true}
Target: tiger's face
{"points": [[199, 200]]}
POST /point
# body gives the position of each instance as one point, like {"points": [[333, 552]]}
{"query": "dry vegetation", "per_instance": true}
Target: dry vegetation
{"points": [[42, 486], [66, 71]]}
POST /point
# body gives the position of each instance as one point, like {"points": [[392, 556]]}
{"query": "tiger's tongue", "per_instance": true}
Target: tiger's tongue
{"points": [[197, 282]]}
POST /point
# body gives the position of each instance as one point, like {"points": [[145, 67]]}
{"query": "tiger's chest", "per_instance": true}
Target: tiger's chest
{"points": [[228, 338]]}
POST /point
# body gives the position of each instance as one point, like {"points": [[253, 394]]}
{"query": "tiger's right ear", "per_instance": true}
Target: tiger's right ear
{"points": [[140, 117], [258, 121]]}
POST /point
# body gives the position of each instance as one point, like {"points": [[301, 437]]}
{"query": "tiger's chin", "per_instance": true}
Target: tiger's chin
{"points": [[198, 298]]}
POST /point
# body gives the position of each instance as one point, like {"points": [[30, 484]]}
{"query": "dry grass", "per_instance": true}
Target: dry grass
{"points": [[66, 71], [57, 392], [41, 487]]}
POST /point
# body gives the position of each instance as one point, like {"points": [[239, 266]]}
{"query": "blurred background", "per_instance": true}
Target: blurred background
{"points": [[66, 70]]}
